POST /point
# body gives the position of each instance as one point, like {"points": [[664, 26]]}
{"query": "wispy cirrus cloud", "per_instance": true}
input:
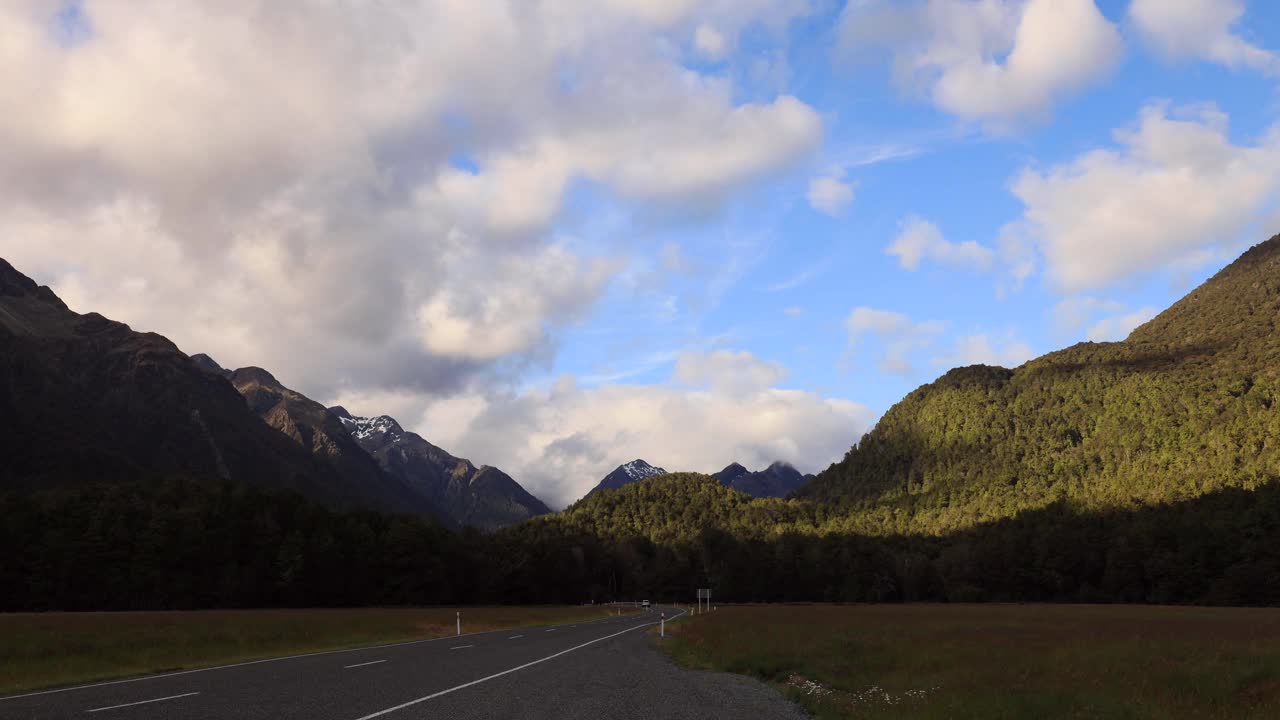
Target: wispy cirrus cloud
{"points": [[801, 278]]}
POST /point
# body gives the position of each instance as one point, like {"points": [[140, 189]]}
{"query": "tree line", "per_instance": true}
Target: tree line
{"points": [[181, 544]]}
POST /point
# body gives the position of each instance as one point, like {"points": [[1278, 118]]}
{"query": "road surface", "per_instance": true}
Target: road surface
{"points": [[599, 669]]}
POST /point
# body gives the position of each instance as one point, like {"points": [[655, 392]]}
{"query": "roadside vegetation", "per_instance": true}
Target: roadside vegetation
{"points": [[998, 661], [40, 650]]}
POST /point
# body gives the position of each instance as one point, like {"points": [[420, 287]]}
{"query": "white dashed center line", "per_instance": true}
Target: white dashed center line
{"points": [[432, 696], [371, 662], [143, 702], [461, 647]]}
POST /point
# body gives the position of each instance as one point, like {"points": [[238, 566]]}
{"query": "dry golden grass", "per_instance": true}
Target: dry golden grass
{"points": [[40, 650], [999, 661]]}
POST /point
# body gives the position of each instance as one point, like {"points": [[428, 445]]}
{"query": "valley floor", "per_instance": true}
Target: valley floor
{"points": [[39, 650], [998, 661]]}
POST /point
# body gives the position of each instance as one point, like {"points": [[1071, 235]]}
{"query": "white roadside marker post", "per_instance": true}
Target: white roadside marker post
{"points": [[663, 629], [459, 622]]}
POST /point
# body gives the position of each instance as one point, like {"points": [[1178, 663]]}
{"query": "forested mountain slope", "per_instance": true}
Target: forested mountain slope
{"points": [[1185, 406], [676, 507]]}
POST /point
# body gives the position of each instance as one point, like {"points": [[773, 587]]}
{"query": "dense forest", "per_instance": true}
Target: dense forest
{"points": [[188, 544]]}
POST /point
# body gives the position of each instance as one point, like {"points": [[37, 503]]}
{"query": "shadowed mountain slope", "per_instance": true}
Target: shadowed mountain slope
{"points": [[483, 497], [89, 399], [778, 480], [311, 425]]}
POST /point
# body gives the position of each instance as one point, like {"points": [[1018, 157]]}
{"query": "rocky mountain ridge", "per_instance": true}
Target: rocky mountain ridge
{"points": [[483, 497]]}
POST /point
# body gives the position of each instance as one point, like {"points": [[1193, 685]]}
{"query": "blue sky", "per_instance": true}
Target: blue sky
{"points": [[556, 236], [951, 171]]}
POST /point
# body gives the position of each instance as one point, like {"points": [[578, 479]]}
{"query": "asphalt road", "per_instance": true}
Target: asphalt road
{"points": [[599, 669]]}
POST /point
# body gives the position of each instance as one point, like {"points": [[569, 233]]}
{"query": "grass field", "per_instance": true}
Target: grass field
{"points": [[998, 661], [39, 650]]}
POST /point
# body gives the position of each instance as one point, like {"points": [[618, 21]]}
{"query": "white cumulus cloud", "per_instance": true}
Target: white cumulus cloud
{"points": [[710, 42], [362, 194], [830, 195], [1000, 60], [921, 240], [1176, 186], [1201, 29], [508, 312]]}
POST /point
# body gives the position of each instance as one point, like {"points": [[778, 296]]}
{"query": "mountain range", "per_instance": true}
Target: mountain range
{"points": [[778, 480], [1146, 470], [1182, 407], [101, 402]]}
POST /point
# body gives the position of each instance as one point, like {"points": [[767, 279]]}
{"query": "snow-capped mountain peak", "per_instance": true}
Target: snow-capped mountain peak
{"points": [[362, 428], [639, 470], [632, 472]]}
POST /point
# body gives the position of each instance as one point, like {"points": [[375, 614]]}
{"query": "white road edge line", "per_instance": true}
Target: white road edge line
{"points": [[143, 702], [514, 637], [402, 706], [159, 676], [461, 647], [371, 662]]}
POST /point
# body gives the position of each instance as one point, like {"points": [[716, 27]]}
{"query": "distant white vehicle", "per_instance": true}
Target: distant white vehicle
{"points": [[646, 604]]}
